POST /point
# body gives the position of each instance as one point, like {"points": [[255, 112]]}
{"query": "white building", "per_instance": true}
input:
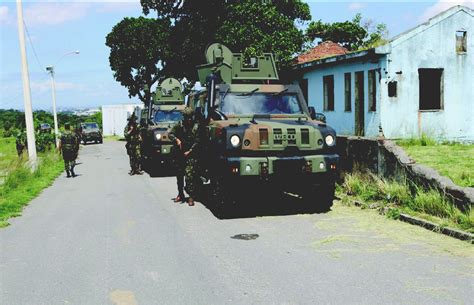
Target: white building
{"points": [[114, 118], [420, 82]]}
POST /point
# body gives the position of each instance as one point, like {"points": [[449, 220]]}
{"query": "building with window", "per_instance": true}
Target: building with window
{"points": [[420, 82]]}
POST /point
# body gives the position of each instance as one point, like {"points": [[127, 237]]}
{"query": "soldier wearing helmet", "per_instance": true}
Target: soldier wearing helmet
{"points": [[132, 135], [184, 137], [69, 147]]}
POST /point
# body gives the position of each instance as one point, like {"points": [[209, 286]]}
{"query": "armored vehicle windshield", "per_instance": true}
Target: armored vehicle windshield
{"points": [[90, 126], [168, 116], [260, 103]]}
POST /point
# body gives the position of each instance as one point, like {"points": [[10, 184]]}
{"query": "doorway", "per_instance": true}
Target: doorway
{"points": [[359, 103]]}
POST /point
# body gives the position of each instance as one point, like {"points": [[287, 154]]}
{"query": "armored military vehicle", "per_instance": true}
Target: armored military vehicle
{"points": [[90, 132], [262, 137], [165, 111]]}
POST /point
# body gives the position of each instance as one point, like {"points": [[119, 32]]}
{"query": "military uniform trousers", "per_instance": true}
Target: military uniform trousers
{"points": [[69, 158]]}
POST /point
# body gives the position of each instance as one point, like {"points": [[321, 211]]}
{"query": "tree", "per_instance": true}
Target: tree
{"points": [[352, 35], [249, 26], [139, 49]]}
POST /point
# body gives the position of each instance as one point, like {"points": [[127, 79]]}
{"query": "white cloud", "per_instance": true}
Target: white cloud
{"points": [[54, 13], [443, 5], [45, 85], [4, 15], [355, 6]]}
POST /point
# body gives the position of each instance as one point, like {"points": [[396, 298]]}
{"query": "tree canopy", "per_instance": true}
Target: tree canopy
{"points": [[173, 42], [139, 50], [353, 35]]}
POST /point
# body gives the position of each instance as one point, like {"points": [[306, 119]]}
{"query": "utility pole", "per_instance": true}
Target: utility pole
{"points": [[50, 69], [30, 133]]}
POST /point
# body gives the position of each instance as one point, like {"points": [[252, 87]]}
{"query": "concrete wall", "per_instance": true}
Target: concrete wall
{"points": [[114, 118], [343, 121], [431, 45], [386, 159]]}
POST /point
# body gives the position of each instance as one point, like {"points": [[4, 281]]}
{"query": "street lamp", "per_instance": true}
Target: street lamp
{"points": [[50, 70]]}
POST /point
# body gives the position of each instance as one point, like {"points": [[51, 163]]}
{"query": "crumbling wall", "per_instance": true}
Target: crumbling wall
{"points": [[388, 160]]}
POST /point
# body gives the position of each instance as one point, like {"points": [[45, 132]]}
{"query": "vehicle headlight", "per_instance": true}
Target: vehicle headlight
{"points": [[235, 140], [158, 136], [329, 140]]}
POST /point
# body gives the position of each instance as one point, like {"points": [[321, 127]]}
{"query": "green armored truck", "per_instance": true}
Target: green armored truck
{"points": [[165, 112], [260, 135]]}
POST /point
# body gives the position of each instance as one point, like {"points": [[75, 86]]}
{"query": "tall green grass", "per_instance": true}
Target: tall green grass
{"points": [[451, 159], [21, 184], [430, 204]]}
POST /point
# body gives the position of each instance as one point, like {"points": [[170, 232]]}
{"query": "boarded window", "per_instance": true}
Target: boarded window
{"points": [[304, 88], [392, 89], [328, 83], [461, 41], [347, 92], [431, 89], [372, 91]]}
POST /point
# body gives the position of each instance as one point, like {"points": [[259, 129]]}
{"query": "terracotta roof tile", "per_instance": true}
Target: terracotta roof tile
{"points": [[324, 49]]}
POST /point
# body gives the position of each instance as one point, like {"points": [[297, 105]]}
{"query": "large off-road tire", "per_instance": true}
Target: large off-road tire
{"points": [[319, 198], [221, 197]]}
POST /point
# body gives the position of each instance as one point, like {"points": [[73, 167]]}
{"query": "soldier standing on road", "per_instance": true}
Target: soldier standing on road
{"points": [[21, 143], [132, 135], [184, 137], [69, 148]]}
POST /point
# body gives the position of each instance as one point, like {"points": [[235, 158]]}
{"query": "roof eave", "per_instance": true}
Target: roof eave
{"points": [[379, 51]]}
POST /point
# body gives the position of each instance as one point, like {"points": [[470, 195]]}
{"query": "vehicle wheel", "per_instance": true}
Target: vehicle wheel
{"points": [[221, 196], [319, 198]]}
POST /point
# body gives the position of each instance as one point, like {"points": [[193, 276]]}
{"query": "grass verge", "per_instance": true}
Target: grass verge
{"points": [[450, 159], [21, 185], [393, 198]]}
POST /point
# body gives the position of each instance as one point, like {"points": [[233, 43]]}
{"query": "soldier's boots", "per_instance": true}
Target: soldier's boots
{"points": [[73, 174], [180, 198], [68, 174]]}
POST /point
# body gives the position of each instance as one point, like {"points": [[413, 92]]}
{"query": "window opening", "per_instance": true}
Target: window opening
{"points": [[328, 83], [304, 87], [431, 89], [461, 41], [392, 89], [347, 92], [372, 91]]}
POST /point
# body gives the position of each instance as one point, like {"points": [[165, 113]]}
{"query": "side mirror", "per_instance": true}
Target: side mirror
{"points": [[320, 117], [312, 112]]}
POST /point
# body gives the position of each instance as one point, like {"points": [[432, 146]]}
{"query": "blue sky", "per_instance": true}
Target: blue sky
{"points": [[56, 28]]}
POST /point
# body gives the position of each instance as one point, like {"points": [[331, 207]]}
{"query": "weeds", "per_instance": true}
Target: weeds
{"points": [[22, 185], [395, 197]]}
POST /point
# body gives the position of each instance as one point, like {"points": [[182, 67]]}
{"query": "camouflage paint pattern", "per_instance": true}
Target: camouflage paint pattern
{"points": [[156, 145]]}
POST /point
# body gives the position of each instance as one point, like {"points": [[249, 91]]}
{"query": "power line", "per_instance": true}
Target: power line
{"points": [[33, 48]]}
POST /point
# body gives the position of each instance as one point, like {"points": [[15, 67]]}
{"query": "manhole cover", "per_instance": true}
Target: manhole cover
{"points": [[245, 236]]}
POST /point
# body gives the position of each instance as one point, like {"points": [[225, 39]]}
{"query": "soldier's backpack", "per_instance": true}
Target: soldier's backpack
{"points": [[68, 142]]}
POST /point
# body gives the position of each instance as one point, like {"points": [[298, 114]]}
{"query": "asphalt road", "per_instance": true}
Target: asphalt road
{"points": [[109, 238]]}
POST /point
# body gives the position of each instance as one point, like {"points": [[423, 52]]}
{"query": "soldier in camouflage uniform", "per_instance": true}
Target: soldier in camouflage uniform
{"points": [[132, 135], [21, 143], [184, 136], [69, 147]]}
